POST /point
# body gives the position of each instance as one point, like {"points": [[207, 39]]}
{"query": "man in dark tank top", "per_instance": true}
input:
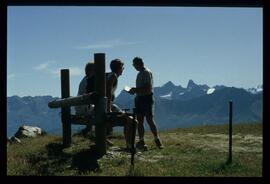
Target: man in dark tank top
{"points": [[117, 67]]}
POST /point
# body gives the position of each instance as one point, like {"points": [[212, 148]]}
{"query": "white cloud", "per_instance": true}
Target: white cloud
{"points": [[106, 45], [44, 66], [76, 71], [18, 75], [73, 71]]}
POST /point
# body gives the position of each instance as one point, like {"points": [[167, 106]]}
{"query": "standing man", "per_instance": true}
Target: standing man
{"points": [[144, 102]]}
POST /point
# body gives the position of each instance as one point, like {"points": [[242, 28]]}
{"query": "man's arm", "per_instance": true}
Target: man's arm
{"points": [[109, 86], [146, 89]]}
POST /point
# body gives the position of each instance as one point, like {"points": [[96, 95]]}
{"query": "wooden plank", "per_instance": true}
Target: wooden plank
{"points": [[85, 99]]}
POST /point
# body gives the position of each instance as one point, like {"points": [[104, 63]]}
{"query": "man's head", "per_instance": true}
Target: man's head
{"points": [[117, 66], [138, 63], [89, 69]]}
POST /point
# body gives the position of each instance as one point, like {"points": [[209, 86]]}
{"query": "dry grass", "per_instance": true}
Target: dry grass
{"points": [[193, 152]]}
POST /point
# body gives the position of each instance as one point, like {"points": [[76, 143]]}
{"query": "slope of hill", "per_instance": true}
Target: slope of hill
{"points": [[31, 111], [34, 111], [189, 152]]}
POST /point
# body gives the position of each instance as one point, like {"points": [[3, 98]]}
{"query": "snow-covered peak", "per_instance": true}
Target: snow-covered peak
{"points": [[181, 93], [167, 96], [255, 90], [210, 91]]}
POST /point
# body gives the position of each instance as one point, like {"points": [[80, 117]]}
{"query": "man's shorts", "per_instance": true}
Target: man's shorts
{"points": [[145, 105]]}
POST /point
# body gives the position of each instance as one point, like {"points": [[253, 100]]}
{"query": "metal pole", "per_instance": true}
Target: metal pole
{"points": [[230, 133], [100, 106], [65, 115]]}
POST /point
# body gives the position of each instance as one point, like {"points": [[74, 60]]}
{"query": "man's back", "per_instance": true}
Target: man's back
{"points": [[144, 78], [83, 109], [82, 86]]}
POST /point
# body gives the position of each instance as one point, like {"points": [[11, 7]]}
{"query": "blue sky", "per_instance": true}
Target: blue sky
{"points": [[208, 45]]}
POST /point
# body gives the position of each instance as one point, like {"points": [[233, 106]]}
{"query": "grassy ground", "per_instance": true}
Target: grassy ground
{"points": [[191, 152]]}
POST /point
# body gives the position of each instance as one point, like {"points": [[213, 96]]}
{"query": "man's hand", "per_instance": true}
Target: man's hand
{"points": [[132, 91]]}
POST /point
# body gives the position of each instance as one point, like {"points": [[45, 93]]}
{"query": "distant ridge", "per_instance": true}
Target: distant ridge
{"points": [[175, 106]]}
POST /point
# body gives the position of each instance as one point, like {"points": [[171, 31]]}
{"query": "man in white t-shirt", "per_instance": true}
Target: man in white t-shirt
{"points": [[86, 109], [89, 72], [144, 102]]}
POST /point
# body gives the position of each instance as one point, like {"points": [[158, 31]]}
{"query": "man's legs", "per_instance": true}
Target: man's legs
{"points": [[108, 142], [109, 131], [141, 143], [153, 128], [140, 119], [87, 130], [152, 125]]}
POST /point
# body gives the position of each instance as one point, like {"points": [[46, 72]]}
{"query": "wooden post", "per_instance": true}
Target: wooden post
{"points": [[134, 128], [66, 123], [230, 133], [100, 106]]}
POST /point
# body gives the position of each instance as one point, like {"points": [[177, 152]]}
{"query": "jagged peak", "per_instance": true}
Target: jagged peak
{"points": [[191, 84], [169, 84]]}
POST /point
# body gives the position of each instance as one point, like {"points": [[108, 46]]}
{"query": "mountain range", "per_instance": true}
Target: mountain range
{"points": [[175, 106]]}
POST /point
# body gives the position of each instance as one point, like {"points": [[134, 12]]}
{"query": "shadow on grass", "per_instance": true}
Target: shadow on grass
{"points": [[86, 161], [226, 167], [55, 151], [82, 161], [50, 161]]}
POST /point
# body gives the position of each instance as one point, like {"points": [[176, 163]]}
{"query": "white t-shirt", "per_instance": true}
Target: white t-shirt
{"points": [[83, 109], [143, 79]]}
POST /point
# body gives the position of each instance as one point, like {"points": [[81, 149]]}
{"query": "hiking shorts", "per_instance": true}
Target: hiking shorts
{"points": [[145, 105]]}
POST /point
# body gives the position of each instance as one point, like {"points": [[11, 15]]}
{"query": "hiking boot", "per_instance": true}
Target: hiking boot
{"points": [[158, 143], [141, 145], [109, 143]]}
